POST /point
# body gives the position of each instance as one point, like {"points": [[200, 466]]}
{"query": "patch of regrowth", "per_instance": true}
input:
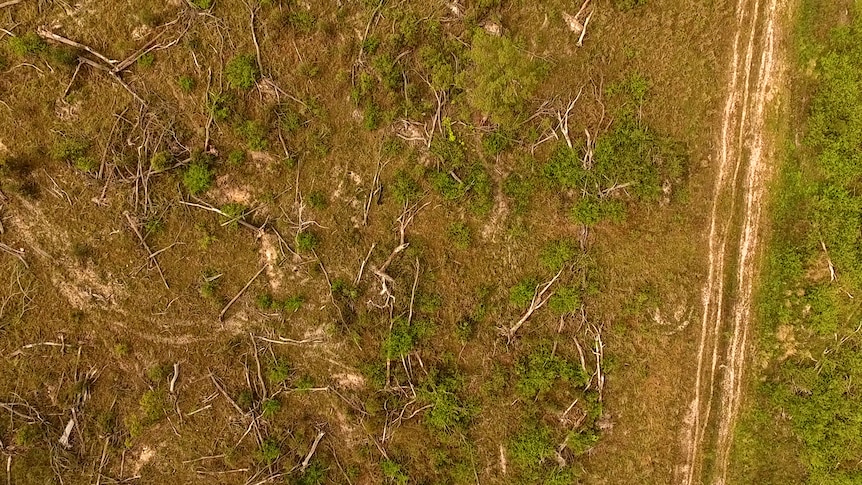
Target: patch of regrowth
{"points": [[558, 254], [531, 447], [232, 213], [198, 177], [590, 211], [279, 372], [270, 407], [522, 293], [502, 77], [317, 200], [27, 44], [253, 133], [565, 300], [306, 241], [393, 473], [147, 60], [269, 451], [242, 72], [187, 83], [161, 161], [540, 370], [405, 189], [459, 235]]}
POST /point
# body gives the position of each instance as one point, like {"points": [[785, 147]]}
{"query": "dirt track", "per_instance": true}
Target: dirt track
{"points": [[744, 157]]}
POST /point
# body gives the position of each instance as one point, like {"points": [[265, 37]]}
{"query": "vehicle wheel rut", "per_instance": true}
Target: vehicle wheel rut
{"points": [[744, 157]]}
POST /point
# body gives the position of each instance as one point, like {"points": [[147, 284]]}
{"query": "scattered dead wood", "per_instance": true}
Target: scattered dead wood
{"points": [[584, 30], [10, 3], [14, 252], [832, 276], [225, 394], [563, 118], [307, 459], [240, 293], [203, 205], [47, 34], [289, 341], [364, 262], [150, 256], [540, 297], [376, 189], [174, 377], [404, 221]]}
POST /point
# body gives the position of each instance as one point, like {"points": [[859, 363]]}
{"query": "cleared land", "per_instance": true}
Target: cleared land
{"points": [[372, 242]]}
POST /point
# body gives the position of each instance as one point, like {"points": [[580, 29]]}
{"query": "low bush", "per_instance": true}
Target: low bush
{"points": [[198, 177], [242, 72]]}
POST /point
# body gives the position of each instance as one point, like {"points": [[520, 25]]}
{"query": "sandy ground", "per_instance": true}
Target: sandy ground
{"points": [[744, 158]]}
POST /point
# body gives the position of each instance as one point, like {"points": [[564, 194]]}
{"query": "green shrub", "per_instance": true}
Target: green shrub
{"points": [[590, 211], [69, 149], [520, 189], [270, 407], [501, 78], [538, 372], [459, 235], [208, 286], [152, 406], [219, 105], [87, 164], [531, 447], [242, 71], [306, 241], [630, 152], [315, 474], [147, 60], [582, 440], [400, 340], [269, 451], [447, 186], [522, 293], [233, 213], [203, 4], [254, 133], [198, 177], [496, 142], [437, 62], [317, 200], [236, 158], [161, 161], [187, 83], [245, 400], [565, 169], [393, 473], [288, 119], [448, 412], [27, 435], [344, 290], [405, 189], [159, 373], [565, 300], [279, 372], [465, 329], [292, 304], [153, 225], [302, 20], [27, 44], [264, 302], [558, 253], [372, 117]]}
